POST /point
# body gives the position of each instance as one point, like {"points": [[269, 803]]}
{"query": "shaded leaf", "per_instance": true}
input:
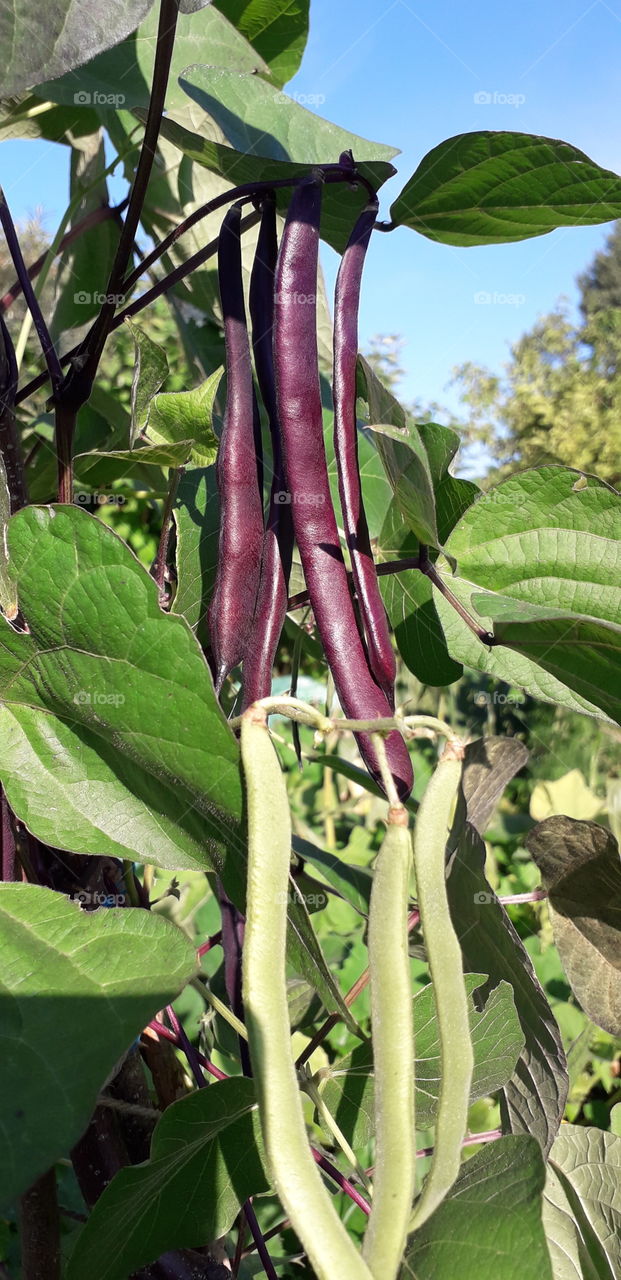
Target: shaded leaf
{"points": [[494, 187], [8, 591], [581, 870], [47, 40], [205, 1161], [150, 371], [582, 1204], [277, 30], [84, 266], [534, 1099], [490, 1222], [489, 765], [77, 987], [348, 1090], [197, 519]]}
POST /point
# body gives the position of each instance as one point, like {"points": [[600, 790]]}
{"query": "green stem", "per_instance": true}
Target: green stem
{"points": [[393, 1052], [433, 825], [296, 1177], [311, 1088]]}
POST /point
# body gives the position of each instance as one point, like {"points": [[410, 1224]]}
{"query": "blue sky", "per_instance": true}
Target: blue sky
{"points": [[408, 73]]}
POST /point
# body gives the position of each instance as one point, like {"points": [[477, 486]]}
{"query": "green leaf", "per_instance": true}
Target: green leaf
{"points": [[582, 1204], [489, 765], [187, 415], [351, 882], [206, 1160], [28, 117], [150, 371], [408, 595], [197, 519], [77, 987], [152, 455], [491, 188], [8, 592], [307, 960], [537, 540], [51, 39], [84, 266], [403, 454], [534, 1099], [121, 77], [581, 870], [250, 133], [490, 1222], [583, 653], [347, 1088], [112, 741], [277, 30]]}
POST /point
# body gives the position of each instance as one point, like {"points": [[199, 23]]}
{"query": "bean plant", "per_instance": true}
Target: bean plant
{"points": [[190, 1086]]}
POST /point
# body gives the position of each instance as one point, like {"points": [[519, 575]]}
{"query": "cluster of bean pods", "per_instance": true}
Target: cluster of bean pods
{"points": [[249, 603]]}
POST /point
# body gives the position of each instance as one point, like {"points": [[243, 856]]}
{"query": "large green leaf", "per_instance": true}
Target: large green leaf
{"points": [[121, 77], [490, 1223], [347, 1088], [582, 1204], [534, 1098], [490, 188], [206, 1160], [277, 30], [543, 540], [249, 133], [76, 988], [581, 870], [112, 740], [47, 40]]}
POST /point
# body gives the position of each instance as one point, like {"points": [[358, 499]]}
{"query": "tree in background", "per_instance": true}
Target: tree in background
{"points": [[559, 397]]}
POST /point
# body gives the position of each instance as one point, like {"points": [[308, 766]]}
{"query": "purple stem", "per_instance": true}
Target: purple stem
{"points": [[341, 1181], [47, 346]]}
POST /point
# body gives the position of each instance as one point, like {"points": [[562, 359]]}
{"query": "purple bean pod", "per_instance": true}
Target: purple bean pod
{"points": [[271, 608], [299, 406], [237, 472], [346, 307]]}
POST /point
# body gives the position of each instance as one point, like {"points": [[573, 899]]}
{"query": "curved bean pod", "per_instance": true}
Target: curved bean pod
{"points": [[346, 306], [393, 1052], [296, 1177], [299, 409], [271, 606], [445, 963], [241, 506]]}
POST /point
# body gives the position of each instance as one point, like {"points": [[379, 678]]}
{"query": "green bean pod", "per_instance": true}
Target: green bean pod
{"points": [[393, 1052], [297, 1181], [433, 824]]}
